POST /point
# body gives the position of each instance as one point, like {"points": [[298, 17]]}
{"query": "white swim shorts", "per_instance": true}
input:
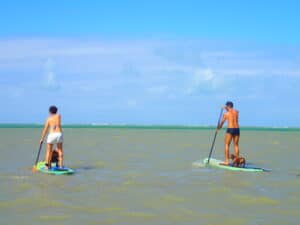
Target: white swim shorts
{"points": [[55, 138]]}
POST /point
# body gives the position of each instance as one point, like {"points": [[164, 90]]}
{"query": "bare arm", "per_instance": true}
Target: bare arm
{"points": [[222, 122], [59, 120], [45, 130]]}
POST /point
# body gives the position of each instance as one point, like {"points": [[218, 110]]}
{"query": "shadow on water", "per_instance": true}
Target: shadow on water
{"points": [[84, 168]]}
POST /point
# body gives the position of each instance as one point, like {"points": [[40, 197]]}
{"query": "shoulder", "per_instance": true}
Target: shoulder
{"points": [[47, 121], [58, 117], [225, 115]]}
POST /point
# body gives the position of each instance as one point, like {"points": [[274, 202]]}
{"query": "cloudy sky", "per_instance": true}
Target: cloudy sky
{"points": [[147, 62]]}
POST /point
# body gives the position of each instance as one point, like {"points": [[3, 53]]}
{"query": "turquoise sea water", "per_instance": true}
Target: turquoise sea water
{"points": [[145, 175]]}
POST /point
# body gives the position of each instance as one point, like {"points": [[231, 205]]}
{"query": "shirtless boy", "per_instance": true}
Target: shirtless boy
{"points": [[55, 136], [233, 130]]}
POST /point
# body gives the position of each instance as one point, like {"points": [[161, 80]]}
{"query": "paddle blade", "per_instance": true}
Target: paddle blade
{"points": [[34, 169]]}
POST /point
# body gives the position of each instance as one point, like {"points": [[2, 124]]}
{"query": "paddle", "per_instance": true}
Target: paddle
{"points": [[213, 143], [37, 158]]}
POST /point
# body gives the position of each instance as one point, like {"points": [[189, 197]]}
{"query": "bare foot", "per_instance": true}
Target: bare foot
{"points": [[47, 167], [225, 164]]}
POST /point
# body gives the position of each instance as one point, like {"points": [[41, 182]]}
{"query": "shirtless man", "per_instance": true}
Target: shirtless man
{"points": [[233, 130], [55, 136]]}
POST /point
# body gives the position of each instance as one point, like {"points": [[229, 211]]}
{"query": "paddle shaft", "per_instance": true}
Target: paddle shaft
{"points": [[38, 155], [214, 140]]}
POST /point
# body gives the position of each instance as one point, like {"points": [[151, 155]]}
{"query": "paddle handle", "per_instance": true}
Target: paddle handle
{"points": [[214, 140], [38, 155]]}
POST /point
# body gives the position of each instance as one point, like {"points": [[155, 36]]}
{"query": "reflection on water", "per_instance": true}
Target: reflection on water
{"points": [[140, 176]]}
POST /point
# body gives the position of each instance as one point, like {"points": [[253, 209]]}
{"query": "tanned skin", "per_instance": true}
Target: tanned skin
{"points": [[232, 119], [53, 125]]}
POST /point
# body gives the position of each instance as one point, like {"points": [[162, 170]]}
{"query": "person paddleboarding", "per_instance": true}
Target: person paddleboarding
{"points": [[232, 132], [55, 137]]}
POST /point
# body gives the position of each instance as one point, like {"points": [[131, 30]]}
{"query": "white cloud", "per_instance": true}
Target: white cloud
{"points": [[97, 56], [50, 80], [201, 75], [111, 76], [203, 81], [159, 68]]}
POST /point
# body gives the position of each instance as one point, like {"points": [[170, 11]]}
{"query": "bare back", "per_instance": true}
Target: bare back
{"points": [[54, 123], [232, 117]]}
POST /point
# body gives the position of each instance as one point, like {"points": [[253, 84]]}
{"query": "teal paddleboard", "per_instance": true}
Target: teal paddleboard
{"points": [[217, 164], [54, 170]]}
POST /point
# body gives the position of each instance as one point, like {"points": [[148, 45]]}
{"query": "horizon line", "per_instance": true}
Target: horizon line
{"points": [[149, 126]]}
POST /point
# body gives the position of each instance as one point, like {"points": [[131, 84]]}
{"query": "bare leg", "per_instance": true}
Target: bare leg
{"points": [[48, 155], [60, 154], [236, 139], [228, 138]]}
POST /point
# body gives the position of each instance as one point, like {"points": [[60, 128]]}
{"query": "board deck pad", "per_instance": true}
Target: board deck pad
{"points": [[217, 164], [54, 170]]}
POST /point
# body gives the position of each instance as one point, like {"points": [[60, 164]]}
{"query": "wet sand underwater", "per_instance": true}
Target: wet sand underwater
{"points": [[145, 176]]}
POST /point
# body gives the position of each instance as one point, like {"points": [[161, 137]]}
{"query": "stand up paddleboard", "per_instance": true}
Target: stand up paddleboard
{"points": [[217, 164], [54, 170]]}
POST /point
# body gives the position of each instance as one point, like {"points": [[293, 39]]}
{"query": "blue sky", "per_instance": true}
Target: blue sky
{"points": [[150, 62]]}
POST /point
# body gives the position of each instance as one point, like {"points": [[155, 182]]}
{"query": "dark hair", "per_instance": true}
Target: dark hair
{"points": [[53, 109], [229, 104]]}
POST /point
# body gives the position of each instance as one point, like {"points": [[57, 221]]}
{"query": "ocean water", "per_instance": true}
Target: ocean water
{"points": [[146, 176]]}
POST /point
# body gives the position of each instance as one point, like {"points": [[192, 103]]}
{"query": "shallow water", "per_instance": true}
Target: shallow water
{"points": [[145, 176]]}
